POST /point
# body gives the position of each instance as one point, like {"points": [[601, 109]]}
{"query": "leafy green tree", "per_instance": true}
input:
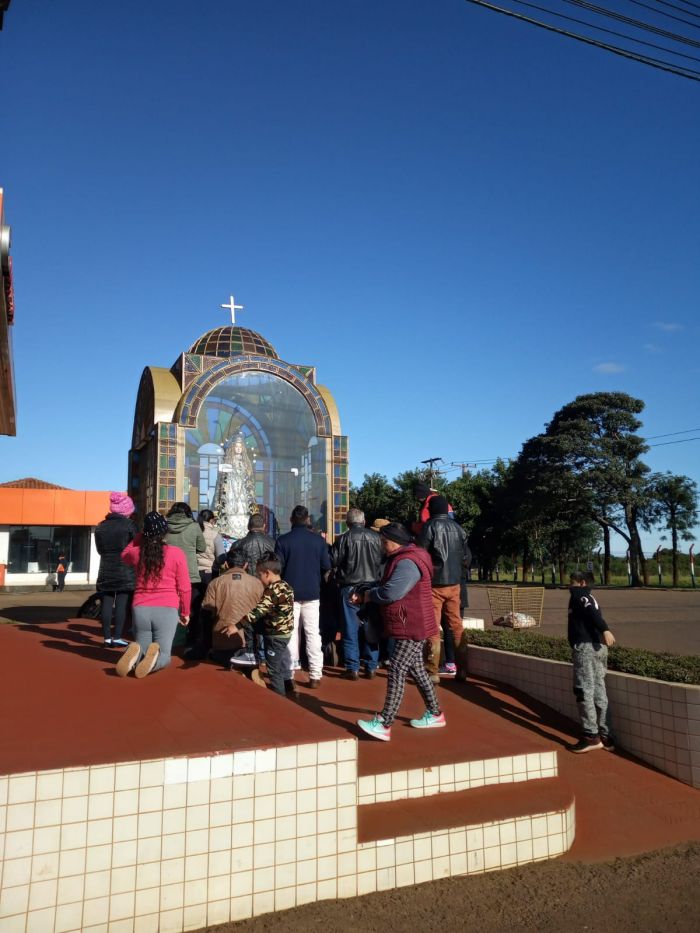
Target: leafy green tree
{"points": [[674, 505], [595, 437], [550, 509], [376, 497]]}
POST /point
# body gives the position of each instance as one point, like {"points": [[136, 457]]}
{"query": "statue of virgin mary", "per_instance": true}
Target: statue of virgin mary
{"points": [[234, 498]]}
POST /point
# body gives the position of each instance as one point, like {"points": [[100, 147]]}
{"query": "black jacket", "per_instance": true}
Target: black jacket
{"points": [[111, 537], [254, 545], [357, 556], [446, 542], [586, 622]]}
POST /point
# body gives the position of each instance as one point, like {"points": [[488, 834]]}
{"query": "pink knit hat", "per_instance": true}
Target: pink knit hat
{"points": [[121, 504]]}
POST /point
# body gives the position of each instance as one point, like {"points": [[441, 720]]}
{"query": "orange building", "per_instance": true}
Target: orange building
{"points": [[40, 521]]}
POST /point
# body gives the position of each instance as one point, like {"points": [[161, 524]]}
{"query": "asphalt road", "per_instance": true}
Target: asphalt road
{"points": [[659, 620]]}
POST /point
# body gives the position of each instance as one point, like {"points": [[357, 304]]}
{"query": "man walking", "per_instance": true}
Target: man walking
{"points": [[405, 598], [304, 559], [446, 542], [356, 557]]}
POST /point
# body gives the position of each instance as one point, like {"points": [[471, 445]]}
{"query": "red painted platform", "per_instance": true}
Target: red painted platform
{"points": [[465, 808], [64, 706]]}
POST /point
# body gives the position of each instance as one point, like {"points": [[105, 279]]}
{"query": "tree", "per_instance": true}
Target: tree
{"points": [[376, 497], [674, 505], [595, 437], [550, 508]]}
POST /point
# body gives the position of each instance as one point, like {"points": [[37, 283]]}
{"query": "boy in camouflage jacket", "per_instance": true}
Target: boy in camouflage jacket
{"points": [[273, 618]]}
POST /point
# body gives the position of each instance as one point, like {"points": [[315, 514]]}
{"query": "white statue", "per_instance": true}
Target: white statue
{"points": [[234, 498]]}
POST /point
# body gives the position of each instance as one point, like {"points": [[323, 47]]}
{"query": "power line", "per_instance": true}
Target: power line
{"points": [[609, 32], [628, 20], [669, 15], [684, 441], [680, 8], [653, 437], [659, 64]]}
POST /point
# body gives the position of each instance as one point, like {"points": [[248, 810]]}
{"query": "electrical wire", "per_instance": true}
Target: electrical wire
{"points": [[629, 21], [684, 441], [680, 8], [610, 32], [669, 15], [660, 65], [653, 437]]}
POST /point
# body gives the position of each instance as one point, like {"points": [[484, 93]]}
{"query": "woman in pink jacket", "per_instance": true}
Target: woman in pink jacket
{"points": [[161, 598]]}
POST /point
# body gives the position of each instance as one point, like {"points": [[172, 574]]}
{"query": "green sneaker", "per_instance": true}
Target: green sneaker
{"points": [[429, 721], [376, 728]]}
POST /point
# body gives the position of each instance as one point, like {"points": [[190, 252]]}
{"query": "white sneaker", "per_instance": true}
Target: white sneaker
{"points": [[243, 658]]}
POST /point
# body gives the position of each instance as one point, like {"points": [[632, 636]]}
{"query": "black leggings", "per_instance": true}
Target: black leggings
{"points": [[117, 603]]}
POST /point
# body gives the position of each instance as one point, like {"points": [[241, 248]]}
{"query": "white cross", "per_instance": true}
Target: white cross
{"points": [[232, 307]]}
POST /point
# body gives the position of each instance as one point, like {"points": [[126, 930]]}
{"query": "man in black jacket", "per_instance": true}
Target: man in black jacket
{"points": [[256, 542], [356, 557], [590, 638], [446, 542]]}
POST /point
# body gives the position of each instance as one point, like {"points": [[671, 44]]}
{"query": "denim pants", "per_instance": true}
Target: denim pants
{"points": [[276, 656], [355, 646], [159, 624]]}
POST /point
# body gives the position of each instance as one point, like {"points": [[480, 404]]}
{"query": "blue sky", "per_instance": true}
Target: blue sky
{"points": [[462, 221]]}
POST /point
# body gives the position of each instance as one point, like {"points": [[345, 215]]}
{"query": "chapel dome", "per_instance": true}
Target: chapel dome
{"points": [[232, 341]]}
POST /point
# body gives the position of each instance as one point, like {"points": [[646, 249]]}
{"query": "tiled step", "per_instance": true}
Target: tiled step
{"points": [[410, 783], [462, 808], [411, 841]]}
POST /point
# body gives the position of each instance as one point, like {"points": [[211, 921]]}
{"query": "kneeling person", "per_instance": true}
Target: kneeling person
{"points": [[230, 596], [273, 618]]}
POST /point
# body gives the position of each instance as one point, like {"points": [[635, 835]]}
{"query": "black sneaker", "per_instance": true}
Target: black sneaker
{"points": [[589, 743], [350, 675], [608, 742]]}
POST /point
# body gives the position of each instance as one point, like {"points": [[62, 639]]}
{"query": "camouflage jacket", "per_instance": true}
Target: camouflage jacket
{"points": [[275, 609]]}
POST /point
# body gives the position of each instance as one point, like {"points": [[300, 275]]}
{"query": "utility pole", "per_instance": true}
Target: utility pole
{"points": [[429, 463]]}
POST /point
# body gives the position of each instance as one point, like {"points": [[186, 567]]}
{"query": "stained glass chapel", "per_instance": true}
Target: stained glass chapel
{"points": [[233, 428]]}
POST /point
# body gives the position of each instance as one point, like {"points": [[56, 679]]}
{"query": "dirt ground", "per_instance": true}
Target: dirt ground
{"points": [[654, 893]]}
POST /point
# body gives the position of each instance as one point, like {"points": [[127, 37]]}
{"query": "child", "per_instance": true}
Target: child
{"points": [[590, 639], [273, 618]]}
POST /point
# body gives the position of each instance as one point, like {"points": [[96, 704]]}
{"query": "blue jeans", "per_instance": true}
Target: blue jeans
{"points": [[355, 647], [159, 624]]}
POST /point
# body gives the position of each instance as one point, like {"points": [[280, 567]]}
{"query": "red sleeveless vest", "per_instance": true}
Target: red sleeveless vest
{"points": [[413, 616]]}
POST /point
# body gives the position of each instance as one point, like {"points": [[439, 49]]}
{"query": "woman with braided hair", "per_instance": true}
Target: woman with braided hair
{"points": [[161, 598]]}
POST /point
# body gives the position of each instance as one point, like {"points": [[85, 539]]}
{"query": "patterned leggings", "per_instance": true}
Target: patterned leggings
{"points": [[407, 658]]}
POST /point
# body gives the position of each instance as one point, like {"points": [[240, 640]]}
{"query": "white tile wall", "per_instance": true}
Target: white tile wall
{"points": [[176, 844], [656, 721]]}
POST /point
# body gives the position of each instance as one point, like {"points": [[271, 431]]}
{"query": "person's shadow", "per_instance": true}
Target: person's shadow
{"points": [[525, 711], [74, 638]]}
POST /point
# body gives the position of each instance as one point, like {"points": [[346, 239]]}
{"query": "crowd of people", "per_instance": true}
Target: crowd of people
{"points": [[385, 594]]}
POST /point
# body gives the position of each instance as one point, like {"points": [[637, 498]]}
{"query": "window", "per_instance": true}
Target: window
{"points": [[36, 548], [283, 464]]}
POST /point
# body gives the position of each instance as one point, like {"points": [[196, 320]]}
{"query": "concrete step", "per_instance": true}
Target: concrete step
{"points": [[451, 777], [468, 832]]}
